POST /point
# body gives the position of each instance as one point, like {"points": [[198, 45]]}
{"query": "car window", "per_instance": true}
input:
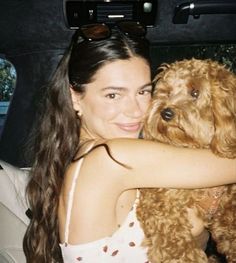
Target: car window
{"points": [[224, 53], [7, 85]]}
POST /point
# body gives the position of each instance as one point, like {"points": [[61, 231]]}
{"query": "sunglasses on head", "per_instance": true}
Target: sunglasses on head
{"points": [[101, 31]]}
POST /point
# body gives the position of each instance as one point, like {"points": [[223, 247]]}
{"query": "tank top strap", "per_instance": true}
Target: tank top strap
{"points": [[137, 198], [70, 200]]}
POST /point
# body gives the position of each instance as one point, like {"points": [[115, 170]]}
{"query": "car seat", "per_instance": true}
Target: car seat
{"points": [[13, 220]]}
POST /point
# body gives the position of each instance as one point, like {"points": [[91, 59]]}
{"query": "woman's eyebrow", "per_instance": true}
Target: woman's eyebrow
{"points": [[146, 85], [114, 88], [123, 88]]}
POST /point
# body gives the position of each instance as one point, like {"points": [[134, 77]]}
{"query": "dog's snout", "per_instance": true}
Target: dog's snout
{"points": [[167, 114]]}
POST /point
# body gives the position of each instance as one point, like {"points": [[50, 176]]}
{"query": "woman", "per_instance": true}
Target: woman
{"points": [[89, 163]]}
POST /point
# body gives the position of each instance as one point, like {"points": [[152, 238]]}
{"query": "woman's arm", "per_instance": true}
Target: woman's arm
{"points": [[101, 180], [160, 165]]}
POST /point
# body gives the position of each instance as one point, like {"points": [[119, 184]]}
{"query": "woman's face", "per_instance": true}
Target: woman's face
{"points": [[115, 103]]}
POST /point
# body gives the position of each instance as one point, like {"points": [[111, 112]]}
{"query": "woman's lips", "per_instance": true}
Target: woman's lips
{"points": [[130, 127]]}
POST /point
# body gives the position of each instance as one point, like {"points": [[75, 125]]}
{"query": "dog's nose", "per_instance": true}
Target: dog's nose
{"points": [[167, 114]]}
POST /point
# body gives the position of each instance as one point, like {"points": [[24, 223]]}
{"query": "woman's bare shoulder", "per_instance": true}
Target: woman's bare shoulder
{"points": [[95, 163]]}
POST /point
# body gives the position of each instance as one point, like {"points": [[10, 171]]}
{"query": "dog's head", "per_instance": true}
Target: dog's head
{"points": [[194, 105]]}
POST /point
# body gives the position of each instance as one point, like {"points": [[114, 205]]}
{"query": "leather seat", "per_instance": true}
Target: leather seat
{"points": [[13, 221]]}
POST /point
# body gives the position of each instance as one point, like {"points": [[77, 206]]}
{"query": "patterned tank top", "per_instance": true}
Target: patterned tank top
{"points": [[124, 246]]}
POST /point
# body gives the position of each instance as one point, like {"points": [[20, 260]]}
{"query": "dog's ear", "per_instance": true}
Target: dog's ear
{"points": [[160, 72], [224, 112]]}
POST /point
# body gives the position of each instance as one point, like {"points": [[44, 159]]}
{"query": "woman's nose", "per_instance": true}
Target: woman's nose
{"points": [[134, 108]]}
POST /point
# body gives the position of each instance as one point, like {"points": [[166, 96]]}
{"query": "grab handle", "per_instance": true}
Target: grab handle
{"points": [[197, 8]]}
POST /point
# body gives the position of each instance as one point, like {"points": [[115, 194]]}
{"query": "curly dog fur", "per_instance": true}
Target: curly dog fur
{"points": [[194, 105]]}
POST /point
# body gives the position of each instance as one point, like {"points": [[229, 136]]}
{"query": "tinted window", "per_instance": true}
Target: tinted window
{"points": [[7, 85]]}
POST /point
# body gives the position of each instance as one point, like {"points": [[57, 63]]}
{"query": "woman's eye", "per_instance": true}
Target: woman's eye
{"points": [[112, 96], [194, 93], [145, 92]]}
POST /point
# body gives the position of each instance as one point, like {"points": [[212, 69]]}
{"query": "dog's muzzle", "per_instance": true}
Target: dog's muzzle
{"points": [[167, 114]]}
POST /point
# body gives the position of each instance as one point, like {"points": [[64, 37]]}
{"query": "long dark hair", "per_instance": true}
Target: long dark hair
{"points": [[58, 135]]}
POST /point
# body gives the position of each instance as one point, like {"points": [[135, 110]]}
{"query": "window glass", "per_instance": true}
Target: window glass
{"points": [[7, 85], [224, 53]]}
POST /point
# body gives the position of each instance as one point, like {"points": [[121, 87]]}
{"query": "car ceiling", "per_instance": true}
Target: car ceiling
{"points": [[29, 25], [34, 35]]}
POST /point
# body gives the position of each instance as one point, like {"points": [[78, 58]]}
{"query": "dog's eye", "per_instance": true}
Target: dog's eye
{"points": [[194, 93]]}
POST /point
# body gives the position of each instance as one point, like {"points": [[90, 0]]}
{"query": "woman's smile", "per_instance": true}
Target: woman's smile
{"points": [[130, 127]]}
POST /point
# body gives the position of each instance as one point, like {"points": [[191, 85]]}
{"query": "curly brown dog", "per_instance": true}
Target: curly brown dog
{"points": [[194, 105]]}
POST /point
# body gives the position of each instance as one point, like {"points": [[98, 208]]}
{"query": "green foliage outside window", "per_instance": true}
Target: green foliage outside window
{"points": [[7, 80]]}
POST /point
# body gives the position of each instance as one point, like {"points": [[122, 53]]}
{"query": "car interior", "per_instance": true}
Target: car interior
{"points": [[33, 38]]}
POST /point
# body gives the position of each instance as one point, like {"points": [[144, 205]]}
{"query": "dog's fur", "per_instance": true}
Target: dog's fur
{"points": [[202, 97]]}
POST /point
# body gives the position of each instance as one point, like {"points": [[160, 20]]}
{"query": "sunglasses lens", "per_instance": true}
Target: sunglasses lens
{"points": [[132, 28], [95, 31]]}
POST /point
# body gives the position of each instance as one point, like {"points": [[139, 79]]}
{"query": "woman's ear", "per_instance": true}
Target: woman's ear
{"points": [[76, 98]]}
